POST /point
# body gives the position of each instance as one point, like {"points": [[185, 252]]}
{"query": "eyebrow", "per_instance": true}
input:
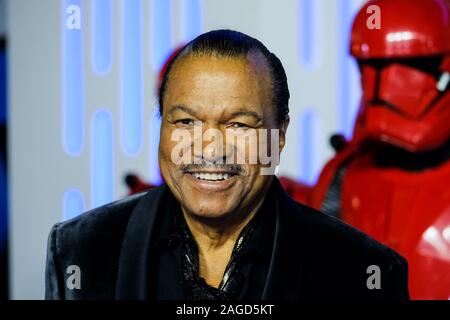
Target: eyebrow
{"points": [[242, 113], [181, 108], [246, 114]]}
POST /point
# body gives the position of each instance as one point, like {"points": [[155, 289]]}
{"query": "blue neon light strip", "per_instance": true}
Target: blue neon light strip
{"points": [[73, 204], [72, 84], [101, 35], [161, 32], [308, 33], [307, 147], [192, 19], [131, 104], [102, 184]]}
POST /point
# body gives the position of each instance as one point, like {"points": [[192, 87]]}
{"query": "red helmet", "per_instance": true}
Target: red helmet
{"points": [[403, 50]]}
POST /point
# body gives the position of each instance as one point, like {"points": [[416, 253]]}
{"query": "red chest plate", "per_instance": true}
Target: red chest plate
{"points": [[408, 211]]}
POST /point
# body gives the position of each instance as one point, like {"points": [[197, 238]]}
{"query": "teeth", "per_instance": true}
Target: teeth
{"points": [[211, 176]]}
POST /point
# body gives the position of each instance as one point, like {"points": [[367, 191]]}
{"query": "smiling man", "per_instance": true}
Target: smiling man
{"points": [[220, 227]]}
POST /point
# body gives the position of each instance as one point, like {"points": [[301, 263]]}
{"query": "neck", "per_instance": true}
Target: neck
{"points": [[215, 240], [213, 234]]}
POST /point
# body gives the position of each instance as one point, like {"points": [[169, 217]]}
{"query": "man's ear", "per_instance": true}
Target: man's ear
{"points": [[283, 128]]}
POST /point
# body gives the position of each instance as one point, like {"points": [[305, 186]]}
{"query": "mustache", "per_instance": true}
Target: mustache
{"points": [[229, 168]]}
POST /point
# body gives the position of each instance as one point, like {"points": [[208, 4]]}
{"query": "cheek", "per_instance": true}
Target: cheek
{"points": [[164, 154], [166, 144], [245, 148], [257, 147], [164, 151]]}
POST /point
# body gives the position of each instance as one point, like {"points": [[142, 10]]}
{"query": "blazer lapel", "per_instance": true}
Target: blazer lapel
{"points": [[132, 276], [285, 272]]}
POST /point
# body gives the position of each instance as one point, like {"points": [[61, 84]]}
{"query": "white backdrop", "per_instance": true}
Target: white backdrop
{"points": [[60, 167]]}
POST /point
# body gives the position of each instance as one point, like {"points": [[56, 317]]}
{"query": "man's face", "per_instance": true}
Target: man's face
{"points": [[209, 92]]}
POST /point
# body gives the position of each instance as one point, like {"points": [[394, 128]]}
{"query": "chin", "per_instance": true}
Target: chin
{"points": [[209, 209], [209, 203]]}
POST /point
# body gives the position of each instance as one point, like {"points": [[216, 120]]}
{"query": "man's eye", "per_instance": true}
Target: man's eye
{"points": [[238, 125], [186, 122]]}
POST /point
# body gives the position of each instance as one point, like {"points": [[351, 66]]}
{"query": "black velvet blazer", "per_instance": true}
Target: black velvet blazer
{"points": [[314, 256]]}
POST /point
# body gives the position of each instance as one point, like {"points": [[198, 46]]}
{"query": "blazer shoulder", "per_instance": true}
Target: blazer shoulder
{"points": [[92, 243], [335, 234], [345, 257], [106, 218], [100, 225]]}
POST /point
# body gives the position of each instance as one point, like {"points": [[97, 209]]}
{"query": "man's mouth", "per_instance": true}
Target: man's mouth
{"points": [[213, 180], [212, 176]]}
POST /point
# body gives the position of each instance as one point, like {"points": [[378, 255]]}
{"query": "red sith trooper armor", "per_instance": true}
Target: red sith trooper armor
{"points": [[392, 180]]}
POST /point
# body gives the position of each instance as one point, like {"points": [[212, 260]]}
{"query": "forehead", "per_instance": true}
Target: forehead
{"points": [[213, 84]]}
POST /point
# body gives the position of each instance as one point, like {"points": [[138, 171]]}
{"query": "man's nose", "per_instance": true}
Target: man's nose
{"points": [[211, 146]]}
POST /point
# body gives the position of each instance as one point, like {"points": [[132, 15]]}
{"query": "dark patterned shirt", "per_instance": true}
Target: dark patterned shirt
{"points": [[245, 274]]}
